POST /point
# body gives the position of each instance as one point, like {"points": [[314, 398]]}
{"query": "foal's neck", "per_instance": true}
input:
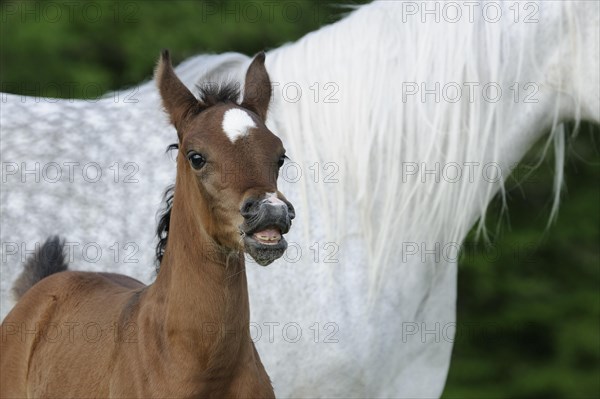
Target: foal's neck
{"points": [[202, 289]]}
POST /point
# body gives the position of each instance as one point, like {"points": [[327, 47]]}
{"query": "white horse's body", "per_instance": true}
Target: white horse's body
{"points": [[379, 319]]}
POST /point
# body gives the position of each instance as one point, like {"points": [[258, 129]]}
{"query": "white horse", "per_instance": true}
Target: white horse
{"points": [[402, 121]]}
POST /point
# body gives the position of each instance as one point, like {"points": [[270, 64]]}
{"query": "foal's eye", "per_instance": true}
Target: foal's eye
{"points": [[281, 161], [197, 160]]}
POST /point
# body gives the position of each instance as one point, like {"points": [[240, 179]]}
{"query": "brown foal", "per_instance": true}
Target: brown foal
{"points": [[81, 334]]}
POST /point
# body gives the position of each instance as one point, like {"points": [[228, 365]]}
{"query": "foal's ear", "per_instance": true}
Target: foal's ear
{"points": [[257, 89], [178, 101]]}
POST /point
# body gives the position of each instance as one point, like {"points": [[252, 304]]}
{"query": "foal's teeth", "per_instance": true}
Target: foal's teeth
{"points": [[268, 236]]}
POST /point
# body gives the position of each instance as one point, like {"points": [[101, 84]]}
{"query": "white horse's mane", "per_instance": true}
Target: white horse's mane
{"points": [[392, 207]]}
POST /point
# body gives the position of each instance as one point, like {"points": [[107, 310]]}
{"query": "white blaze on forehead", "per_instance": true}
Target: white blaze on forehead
{"points": [[237, 123]]}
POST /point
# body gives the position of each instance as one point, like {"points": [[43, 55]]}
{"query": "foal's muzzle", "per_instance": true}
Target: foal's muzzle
{"points": [[265, 222]]}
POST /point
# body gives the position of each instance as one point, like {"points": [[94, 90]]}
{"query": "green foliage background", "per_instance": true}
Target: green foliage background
{"points": [[528, 303]]}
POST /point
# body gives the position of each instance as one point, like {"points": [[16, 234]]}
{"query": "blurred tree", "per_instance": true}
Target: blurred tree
{"points": [[107, 45]]}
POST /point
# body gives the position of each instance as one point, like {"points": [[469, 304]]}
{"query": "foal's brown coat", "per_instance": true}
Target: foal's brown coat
{"points": [[78, 334]]}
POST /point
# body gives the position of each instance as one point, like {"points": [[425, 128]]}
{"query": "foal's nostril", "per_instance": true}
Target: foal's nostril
{"points": [[247, 208]]}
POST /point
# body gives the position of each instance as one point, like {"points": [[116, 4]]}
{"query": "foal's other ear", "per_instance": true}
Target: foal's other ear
{"points": [[257, 89], [178, 101]]}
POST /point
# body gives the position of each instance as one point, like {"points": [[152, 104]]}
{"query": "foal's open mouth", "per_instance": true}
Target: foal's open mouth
{"points": [[265, 244], [263, 229]]}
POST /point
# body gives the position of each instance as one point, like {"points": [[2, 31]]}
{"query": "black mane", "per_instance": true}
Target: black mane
{"points": [[162, 230], [164, 220]]}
